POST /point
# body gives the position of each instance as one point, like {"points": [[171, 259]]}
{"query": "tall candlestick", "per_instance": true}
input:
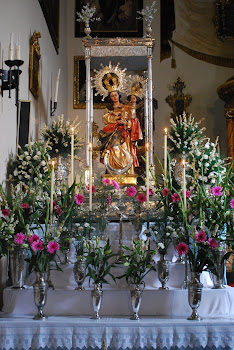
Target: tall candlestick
{"points": [[90, 175], [11, 47], [56, 87], [147, 174], [165, 155], [72, 155], [52, 189], [184, 185], [17, 47]]}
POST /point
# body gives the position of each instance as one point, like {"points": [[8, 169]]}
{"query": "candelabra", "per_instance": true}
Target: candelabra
{"points": [[10, 78], [53, 107]]}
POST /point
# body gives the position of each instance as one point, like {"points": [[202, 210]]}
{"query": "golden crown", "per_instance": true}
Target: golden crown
{"points": [[136, 86]]}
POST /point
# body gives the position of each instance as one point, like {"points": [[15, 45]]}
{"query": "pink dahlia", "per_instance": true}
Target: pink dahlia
{"points": [[150, 192], [115, 184], [105, 181], [5, 212], [201, 236], [93, 189], [131, 191], [141, 198], [188, 193], [212, 243], [232, 203], [20, 238], [165, 192], [182, 248], [79, 199], [217, 191], [33, 238], [24, 205], [53, 247], [175, 197], [37, 246]]}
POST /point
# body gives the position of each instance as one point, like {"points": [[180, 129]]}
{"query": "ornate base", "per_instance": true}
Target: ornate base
{"points": [[80, 288], [194, 316], [125, 179], [135, 317], [95, 317], [163, 288]]}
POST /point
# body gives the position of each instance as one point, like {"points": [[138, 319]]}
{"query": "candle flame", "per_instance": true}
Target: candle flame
{"points": [[147, 146], [183, 162], [72, 131], [90, 146], [52, 164], [165, 131]]}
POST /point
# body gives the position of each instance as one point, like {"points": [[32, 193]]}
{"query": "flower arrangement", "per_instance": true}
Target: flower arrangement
{"points": [[98, 260], [86, 14], [147, 14], [31, 165], [139, 261], [58, 136]]}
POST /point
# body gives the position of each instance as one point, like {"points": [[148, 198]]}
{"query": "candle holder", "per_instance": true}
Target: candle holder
{"points": [[10, 78], [53, 107]]}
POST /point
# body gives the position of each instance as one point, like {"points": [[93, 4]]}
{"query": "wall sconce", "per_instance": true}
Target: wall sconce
{"points": [[10, 78]]}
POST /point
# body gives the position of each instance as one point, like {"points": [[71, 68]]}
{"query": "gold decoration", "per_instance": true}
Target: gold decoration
{"points": [[135, 86], [124, 179], [109, 78], [34, 64]]}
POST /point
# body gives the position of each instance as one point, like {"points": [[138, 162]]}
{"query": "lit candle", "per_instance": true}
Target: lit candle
{"points": [[72, 155], [52, 189], [165, 155], [90, 175], [184, 185], [11, 48], [56, 87], [147, 174]]}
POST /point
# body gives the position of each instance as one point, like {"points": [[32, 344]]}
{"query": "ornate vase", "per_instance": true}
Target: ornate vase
{"points": [[194, 295], [218, 280], [40, 293], [97, 299], [87, 29], [79, 271], [18, 266], [66, 260], [136, 294], [61, 174], [163, 271]]}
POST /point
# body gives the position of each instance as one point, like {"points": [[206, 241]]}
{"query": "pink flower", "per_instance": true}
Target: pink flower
{"points": [[20, 238], [33, 238], [79, 199], [5, 212], [37, 246], [53, 247], [141, 198], [115, 184], [217, 191], [54, 205], [109, 199], [165, 192], [201, 236], [150, 192], [131, 191], [58, 210], [93, 189], [24, 205], [232, 203], [182, 248], [106, 181], [188, 193], [212, 243], [175, 197]]}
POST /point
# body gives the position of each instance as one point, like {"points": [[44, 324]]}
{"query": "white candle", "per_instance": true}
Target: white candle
{"points": [[56, 87], [72, 155], [90, 175], [11, 47], [147, 174], [17, 48], [165, 155], [52, 189], [184, 185]]}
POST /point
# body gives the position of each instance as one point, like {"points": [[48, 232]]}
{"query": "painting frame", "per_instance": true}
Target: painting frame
{"points": [[34, 65], [51, 12], [120, 27], [79, 84]]}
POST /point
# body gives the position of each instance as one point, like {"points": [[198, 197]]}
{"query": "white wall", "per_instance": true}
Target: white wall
{"points": [[201, 79], [25, 17]]}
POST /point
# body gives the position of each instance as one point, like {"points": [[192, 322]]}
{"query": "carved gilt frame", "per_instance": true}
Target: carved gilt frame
{"points": [[34, 65]]}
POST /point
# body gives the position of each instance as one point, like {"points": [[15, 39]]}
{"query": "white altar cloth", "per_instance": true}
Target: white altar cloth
{"points": [[172, 302], [118, 333]]}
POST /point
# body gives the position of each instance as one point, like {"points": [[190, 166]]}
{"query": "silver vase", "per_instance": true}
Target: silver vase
{"points": [[97, 300], [61, 175], [194, 295], [66, 260], [163, 271], [79, 271], [40, 294], [18, 266], [136, 294], [218, 280]]}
